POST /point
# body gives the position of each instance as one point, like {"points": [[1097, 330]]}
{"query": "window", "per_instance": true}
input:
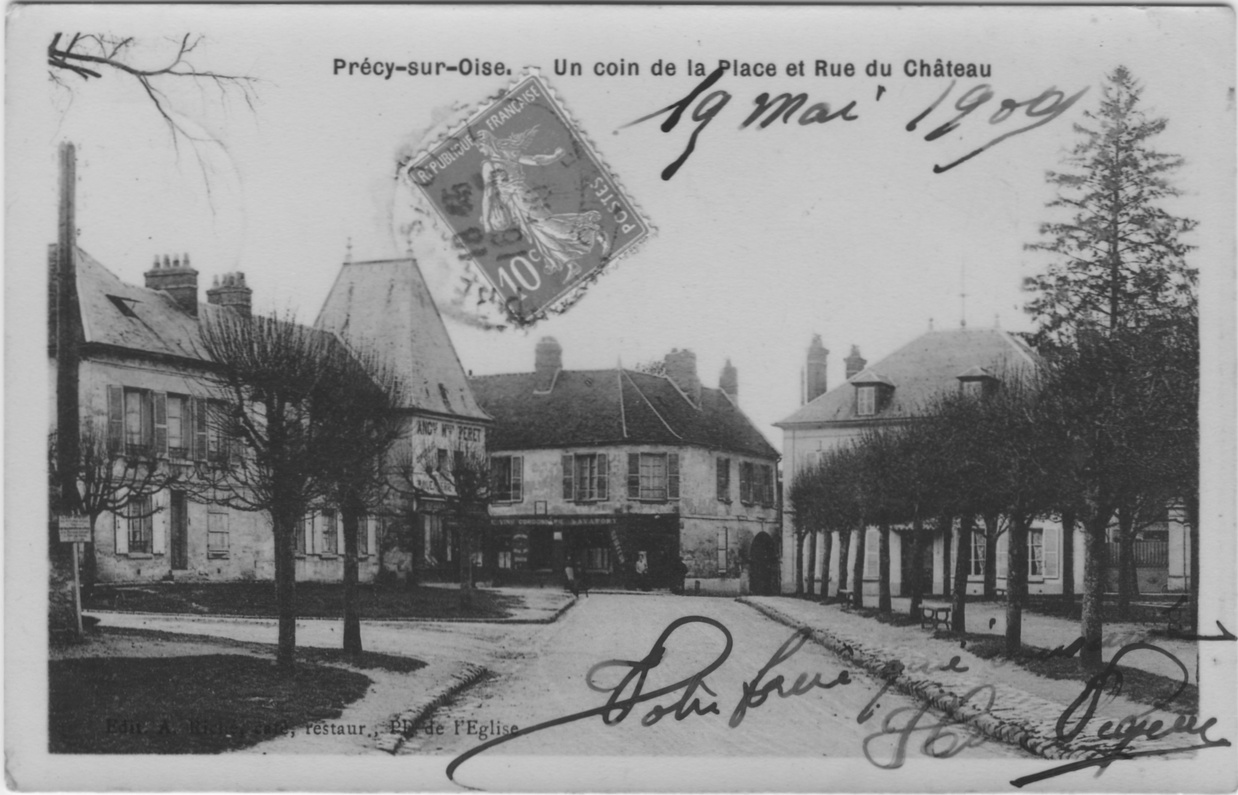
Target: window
{"points": [[746, 482], [141, 525], [723, 549], [586, 478], [217, 534], [724, 479], [442, 459], [506, 478], [972, 388], [866, 401], [653, 477], [1035, 553], [363, 533], [763, 487], [178, 426], [505, 559], [1051, 553], [977, 553], [330, 533], [305, 534], [139, 421], [597, 559]]}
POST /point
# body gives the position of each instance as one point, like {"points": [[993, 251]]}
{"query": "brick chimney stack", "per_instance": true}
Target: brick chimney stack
{"points": [[176, 278], [728, 382], [855, 362], [547, 362], [814, 370], [681, 368], [230, 290]]}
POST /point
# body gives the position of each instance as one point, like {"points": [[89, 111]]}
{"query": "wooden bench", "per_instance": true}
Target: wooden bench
{"points": [[844, 594], [935, 617]]}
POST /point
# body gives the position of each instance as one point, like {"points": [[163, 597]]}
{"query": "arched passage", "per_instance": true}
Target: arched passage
{"points": [[763, 576]]}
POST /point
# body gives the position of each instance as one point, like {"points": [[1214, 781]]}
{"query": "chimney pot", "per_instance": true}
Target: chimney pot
{"points": [[177, 280], [815, 370], [728, 382], [681, 368], [233, 293], [855, 362]]}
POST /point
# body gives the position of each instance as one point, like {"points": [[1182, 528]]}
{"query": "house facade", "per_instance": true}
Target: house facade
{"points": [[143, 389], [626, 475], [890, 392]]}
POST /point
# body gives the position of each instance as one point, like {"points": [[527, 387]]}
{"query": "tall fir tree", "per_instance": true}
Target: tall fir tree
{"points": [[1118, 261]]}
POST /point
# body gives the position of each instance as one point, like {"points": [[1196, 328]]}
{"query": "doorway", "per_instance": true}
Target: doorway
{"points": [[180, 531]]}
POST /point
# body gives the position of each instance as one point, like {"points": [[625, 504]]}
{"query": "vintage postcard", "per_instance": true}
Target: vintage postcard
{"points": [[620, 398]]}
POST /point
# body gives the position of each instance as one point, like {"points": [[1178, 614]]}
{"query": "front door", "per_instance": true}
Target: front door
{"points": [[180, 531]]}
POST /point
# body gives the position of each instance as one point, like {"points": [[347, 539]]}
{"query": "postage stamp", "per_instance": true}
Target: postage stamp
{"points": [[524, 194], [344, 453]]}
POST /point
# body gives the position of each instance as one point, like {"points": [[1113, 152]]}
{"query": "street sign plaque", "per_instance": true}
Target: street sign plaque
{"points": [[74, 529]]}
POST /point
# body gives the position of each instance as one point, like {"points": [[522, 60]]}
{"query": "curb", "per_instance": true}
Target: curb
{"points": [[931, 693], [409, 719]]}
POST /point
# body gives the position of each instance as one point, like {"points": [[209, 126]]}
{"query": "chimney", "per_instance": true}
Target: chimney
{"points": [[231, 291], [177, 279], [681, 368], [855, 362], [814, 370], [547, 362], [728, 382]]}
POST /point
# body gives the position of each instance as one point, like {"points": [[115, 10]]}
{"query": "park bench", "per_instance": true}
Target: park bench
{"points": [[934, 617], [844, 595]]}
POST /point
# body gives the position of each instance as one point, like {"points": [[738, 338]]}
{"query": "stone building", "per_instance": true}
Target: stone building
{"points": [[617, 470], [889, 392]]}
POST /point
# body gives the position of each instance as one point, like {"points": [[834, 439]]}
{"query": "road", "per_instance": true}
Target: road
{"points": [[546, 679]]}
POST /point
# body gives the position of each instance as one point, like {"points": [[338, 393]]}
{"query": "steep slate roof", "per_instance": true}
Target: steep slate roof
{"points": [[920, 370], [611, 407], [158, 326], [384, 305]]}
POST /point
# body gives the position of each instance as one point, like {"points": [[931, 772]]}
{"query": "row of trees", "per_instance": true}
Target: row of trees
{"points": [[1103, 431]]}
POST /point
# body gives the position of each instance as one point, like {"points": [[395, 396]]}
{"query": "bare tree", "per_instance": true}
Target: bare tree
{"points": [[368, 427], [108, 479], [279, 384]]}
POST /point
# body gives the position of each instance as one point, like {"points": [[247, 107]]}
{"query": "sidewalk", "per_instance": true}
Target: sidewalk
{"points": [[1024, 708]]}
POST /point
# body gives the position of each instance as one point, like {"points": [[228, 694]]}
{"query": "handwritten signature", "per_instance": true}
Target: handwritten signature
{"points": [[1039, 110]]}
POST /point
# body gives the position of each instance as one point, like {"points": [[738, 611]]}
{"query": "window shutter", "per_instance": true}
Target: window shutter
{"points": [[367, 532], [767, 485], [672, 476], [634, 476], [722, 467], [745, 482], [872, 550], [518, 478], [115, 418], [496, 480], [122, 534], [603, 490], [159, 522], [1003, 559], [160, 400], [200, 412], [568, 490], [148, 421], [1050, 537]]}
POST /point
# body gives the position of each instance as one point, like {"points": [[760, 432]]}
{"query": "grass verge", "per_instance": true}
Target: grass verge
{"points": [[314, 600], [189, 704]]}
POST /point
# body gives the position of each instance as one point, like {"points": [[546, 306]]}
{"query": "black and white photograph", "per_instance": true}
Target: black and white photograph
{"points": [[591, 398]]}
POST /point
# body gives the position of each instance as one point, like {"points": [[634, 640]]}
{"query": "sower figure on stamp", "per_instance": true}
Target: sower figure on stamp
{"points": [[508, 202]]}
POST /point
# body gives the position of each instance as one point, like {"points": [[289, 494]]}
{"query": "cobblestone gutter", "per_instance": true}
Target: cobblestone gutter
{"points": [[408, 720], [1015, 717]]}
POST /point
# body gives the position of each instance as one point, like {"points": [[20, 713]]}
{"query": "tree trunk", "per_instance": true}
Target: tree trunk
{"points": [[1128, 584], [284, 530], [857, 570], [1067, 556], [799, 561], [962, 568], [827, 555], [844, 557], [947, 547], [810, 589], [1093, 593], [1016, 584], [883, 569], [916, 586], [990, 556], [350, 515]]}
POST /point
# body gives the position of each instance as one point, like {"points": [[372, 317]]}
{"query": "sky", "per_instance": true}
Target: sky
{"points": [[764, 237]]}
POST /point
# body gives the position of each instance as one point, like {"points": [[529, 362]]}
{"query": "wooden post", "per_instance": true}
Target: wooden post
{"points": [[77, 591]]}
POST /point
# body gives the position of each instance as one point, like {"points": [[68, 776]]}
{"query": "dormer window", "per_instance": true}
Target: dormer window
{"points": [[977, 382], [866, 401], [873, 393]]}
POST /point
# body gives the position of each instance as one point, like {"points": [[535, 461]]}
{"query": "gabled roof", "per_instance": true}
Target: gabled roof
{"points": [[385, 306], [921, 370], [117, 313], [611, 407]]}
